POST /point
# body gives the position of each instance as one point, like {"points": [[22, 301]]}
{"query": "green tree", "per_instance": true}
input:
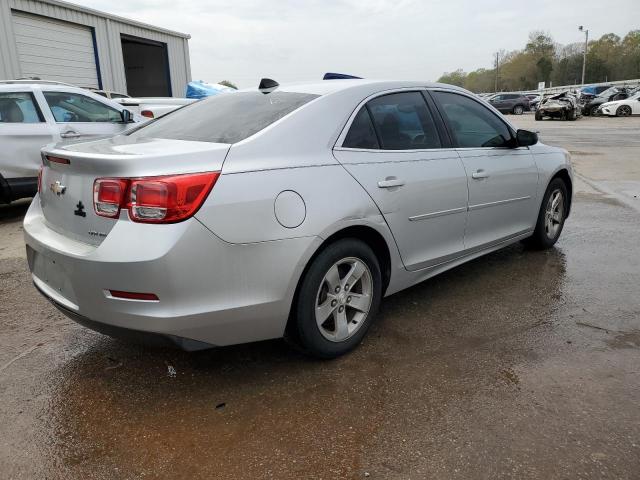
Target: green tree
{"points": [[227, 83], [609, 58], [454, 78]]}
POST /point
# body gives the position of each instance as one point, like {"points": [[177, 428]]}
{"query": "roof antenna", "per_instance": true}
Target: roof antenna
{"points": [[268, 85]]}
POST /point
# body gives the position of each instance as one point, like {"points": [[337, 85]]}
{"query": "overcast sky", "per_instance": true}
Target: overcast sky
{"points": [[288, 40]]}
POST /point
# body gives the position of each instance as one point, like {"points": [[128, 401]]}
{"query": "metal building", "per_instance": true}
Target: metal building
{"points": [[57, 40]]}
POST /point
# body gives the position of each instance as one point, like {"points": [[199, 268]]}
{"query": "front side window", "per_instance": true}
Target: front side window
{"points": [[403, 122], [224, 118], [19, 107], [472, 124], [73, 108]]}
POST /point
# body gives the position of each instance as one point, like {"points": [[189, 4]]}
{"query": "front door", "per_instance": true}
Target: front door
{"points": [[79, 116], [502, 180], [395, 152]]}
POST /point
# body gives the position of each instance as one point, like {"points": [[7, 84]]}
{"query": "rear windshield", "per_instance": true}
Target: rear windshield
{"points": [[225, 118]]}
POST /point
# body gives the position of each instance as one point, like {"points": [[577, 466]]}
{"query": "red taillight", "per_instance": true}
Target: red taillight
{"points": [[40, 180], [149, 297], [147, 113], [166, 199], [108, 196]]}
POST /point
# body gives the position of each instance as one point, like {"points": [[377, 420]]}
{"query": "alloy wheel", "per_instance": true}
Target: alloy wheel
{"points": [[554, 214], [344, 299], [624, 111]]}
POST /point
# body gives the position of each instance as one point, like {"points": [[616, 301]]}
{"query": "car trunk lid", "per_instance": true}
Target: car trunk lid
{"points": [[69, 172]]}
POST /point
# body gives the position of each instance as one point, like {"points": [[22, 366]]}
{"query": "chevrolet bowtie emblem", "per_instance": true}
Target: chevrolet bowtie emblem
{"points": [[58, 188]]}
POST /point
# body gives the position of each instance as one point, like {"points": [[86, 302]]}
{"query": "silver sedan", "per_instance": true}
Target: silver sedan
{"points": [[285, 211]]}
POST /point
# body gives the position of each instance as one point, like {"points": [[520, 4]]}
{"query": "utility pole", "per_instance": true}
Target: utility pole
{"points": [[586, 45], [495, 89]]}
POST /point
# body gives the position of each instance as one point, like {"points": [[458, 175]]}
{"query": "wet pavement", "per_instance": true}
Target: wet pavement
{"points": [[520, 364]]}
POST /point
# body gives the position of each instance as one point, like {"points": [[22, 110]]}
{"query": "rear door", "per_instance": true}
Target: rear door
{"points": [[497, 101], [79, 116], [502, 179], [23, 131], [394, 149]]}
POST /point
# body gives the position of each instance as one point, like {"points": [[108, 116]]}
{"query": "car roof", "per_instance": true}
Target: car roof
{"points": [[325, 87]]}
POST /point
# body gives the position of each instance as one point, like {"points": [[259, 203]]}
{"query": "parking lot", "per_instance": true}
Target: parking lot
{"points": [[520, 364]]}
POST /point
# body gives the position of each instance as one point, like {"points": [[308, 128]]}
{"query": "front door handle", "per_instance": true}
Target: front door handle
{"points": [[479, 174], [70, 134], [390, 182]]}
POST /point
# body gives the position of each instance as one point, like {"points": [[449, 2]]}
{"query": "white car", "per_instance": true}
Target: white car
{"points": [[37, 113], [622, 108]]}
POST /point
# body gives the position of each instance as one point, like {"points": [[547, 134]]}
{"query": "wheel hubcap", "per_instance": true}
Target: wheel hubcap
{"points": [[344, 299], [554, 214]]}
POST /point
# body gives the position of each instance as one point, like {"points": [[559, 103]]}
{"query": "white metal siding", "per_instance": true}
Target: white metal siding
{"points": [[55, 50], [108, 29]]}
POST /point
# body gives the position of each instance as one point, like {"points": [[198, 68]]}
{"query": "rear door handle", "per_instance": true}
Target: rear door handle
{"points": [[70, 134], [479, 175], [390, 182]]}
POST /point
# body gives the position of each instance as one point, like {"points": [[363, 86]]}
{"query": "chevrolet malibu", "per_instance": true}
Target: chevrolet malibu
{"points": [[285, 211]]}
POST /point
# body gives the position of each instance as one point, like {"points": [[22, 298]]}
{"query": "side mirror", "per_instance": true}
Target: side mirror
{"points": [[526, 138], [126, 116]]}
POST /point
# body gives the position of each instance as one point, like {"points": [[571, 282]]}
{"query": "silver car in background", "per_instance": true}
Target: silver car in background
{"points": [[286, 211]]}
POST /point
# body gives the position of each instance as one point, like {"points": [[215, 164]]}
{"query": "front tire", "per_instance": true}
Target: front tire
{"points": [[623, 111], [551, 217], [338, 299]]}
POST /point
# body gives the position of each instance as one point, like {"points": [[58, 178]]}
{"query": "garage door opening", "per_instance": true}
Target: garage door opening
{"points": [[146, 66]]}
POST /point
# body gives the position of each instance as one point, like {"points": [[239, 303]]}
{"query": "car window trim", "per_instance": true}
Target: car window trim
{"points": [[454, 140], [35, 104], [339, 143]]}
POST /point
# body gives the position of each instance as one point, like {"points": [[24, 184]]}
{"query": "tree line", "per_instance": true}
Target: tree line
{"points": [[609, 58]]}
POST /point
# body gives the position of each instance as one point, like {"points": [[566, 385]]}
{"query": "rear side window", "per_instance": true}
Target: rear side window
{"points": [[19, 107], [403, 122], [471, 123], [361, 133], [224, 118]]}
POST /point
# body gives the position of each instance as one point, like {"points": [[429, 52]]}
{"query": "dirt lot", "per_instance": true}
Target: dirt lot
{"points": [[518, 365]]}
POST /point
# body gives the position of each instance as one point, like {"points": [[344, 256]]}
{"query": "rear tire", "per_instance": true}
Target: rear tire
{"points": [[551, 217], [518, 110], [332, 316]]}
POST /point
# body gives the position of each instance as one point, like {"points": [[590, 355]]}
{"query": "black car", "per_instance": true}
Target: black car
{"points": [[610, 95], [510, 103]]}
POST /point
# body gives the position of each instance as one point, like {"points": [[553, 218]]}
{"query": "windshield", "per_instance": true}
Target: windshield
{"points": [[224, 118], [608, 92]]}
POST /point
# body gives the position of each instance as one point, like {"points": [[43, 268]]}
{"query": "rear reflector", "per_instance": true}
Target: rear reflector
{"points": [[166, 199], [150, 297], [63, 161], [147, 113]]}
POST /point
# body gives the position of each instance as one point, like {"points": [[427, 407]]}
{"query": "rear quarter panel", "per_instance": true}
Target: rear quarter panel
{"points": [[241, 207], [550, 160]]}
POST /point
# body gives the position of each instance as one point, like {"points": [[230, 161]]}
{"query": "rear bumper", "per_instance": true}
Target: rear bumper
{"points": [[209, 291], [145, 338]]}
